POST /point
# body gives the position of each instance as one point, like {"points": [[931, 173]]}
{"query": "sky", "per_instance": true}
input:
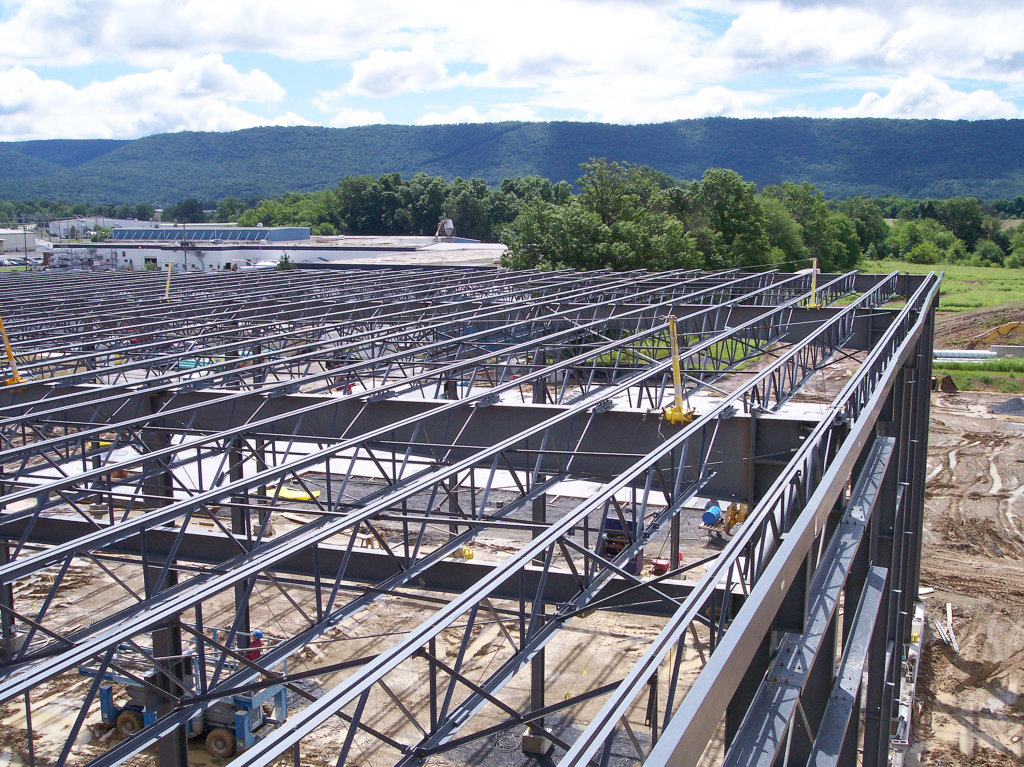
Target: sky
{"points": [[129, 68]]}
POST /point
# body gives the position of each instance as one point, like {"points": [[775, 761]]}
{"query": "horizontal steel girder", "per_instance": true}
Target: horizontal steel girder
{"points": [[614, 438], [363, 566]]}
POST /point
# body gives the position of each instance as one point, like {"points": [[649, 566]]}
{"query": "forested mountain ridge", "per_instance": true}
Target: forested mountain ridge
{"points": [[842, 157]]}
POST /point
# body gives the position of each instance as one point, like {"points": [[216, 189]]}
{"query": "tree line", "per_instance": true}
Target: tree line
{"points": [[623, 216], [627, 217]]}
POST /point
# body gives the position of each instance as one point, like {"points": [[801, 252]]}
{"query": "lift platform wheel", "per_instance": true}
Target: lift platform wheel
{"points": [[221, 742], [128, 722]]}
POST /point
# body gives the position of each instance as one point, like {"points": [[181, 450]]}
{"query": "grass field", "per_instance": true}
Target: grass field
{"points": [[997, 375], [963, 287]]}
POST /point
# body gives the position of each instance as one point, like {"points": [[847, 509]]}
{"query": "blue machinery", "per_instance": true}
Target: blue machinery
{"points": [[229, 725]]}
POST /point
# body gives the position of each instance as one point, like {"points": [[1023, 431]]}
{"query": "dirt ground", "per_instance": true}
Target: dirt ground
{"points": [[953, 330], [972, 703]]}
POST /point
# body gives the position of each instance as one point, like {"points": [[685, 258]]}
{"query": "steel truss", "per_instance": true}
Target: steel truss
{"points": [[156, 443]]}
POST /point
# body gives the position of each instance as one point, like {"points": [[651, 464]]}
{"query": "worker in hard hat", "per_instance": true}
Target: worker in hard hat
{"points": [[255, 648], [712, 512]]}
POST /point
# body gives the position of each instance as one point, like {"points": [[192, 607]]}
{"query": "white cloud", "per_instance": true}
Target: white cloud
{"points": [[469, 114], [723, 102], [389, 73], [348, 117], [197, 94], [922, 95], [624, 61], [962, 42], [770, 36], [72, 32], [210, 75]]}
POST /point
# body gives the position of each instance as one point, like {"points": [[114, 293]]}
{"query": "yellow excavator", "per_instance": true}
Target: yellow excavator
{"points": [[991, 335]]}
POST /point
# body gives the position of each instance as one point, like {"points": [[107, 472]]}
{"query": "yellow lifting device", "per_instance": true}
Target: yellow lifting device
{"points": [[167, 290], [15, 377], [677, 413], [813, 303]]}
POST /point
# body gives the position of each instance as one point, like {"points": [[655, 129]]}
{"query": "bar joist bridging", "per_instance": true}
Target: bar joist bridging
{"points": [[339, 438]]}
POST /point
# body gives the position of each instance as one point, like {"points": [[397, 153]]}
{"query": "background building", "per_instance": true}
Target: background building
{"points": [[198, 248], [17, 240]]}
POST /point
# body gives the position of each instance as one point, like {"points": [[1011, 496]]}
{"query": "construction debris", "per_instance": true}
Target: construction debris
{"points": [[945, 629]]}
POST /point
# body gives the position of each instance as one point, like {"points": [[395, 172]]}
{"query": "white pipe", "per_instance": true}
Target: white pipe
{"points": [[962, 354]]}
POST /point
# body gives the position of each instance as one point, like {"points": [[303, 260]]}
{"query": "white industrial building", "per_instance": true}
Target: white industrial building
{"points": [[17, 240], [77, 226], [199, 248]]}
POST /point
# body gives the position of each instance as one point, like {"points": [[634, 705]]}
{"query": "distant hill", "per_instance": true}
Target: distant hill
{"points": [[843, 157]]}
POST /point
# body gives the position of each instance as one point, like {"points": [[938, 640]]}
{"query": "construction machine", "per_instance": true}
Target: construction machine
{"points": [[997, 332]]}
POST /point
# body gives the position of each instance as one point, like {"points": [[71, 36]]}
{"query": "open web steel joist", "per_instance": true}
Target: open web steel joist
{"points": [[337, 442]]}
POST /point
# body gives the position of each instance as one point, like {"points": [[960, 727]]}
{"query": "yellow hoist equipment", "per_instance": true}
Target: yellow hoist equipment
{"points": [[15, 377], [735, 515], [813, 303], [677, 413]]}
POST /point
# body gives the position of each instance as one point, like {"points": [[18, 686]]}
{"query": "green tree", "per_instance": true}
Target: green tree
{"points": [[466, 205], [1016, 238], [867, 219], [924, 252], [617, 191], [143, 211], [354, 204], [785, 235], [228, 209], [907, 235], [728, 206], [549, 236], [188, 211], [424, 196], [655, 241], [989, 253], [829, 235], [527, 188], [963, 217]]}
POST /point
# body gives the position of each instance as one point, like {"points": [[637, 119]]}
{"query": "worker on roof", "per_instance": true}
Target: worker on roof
{"points": [[446, 227]]}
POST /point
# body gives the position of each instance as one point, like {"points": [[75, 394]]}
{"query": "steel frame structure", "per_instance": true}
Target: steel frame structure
{"points": [[152, 442]]}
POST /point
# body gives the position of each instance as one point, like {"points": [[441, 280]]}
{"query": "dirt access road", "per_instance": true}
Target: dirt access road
{"points": [[972, 704]]}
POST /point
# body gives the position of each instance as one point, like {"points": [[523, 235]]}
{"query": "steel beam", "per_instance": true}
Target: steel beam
{"points": [[440, 381]]}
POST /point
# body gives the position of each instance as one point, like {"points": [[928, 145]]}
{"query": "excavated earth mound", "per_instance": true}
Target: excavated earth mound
{"points": [[1012, 406]]}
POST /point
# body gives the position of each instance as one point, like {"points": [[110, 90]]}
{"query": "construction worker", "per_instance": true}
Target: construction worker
{"points": [[255, 648], [445, 228]]}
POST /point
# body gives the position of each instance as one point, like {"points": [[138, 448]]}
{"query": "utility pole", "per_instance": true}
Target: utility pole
{"points": [[24, 234]]}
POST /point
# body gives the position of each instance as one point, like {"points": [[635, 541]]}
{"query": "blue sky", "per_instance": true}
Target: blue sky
{"points": [[130, 68]]}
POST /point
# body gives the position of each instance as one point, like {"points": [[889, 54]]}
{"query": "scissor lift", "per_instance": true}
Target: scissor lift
{"points": [[231, 724]]}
